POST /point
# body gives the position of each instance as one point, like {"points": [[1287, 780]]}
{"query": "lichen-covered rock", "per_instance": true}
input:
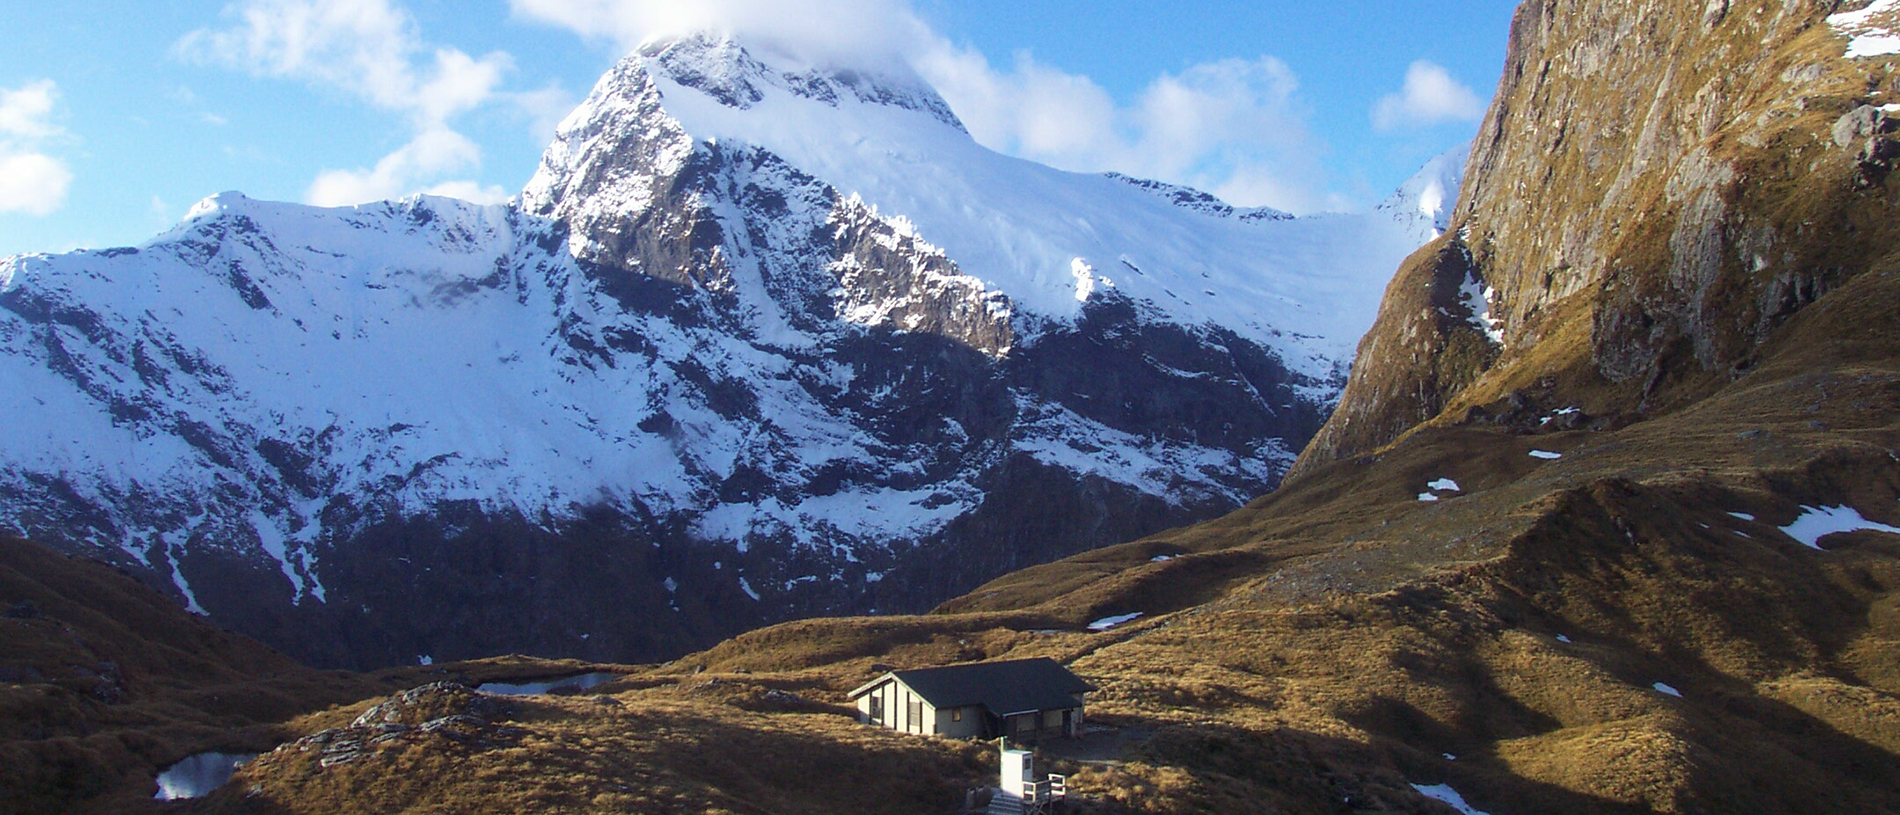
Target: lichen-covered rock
{"points": [[439, 715]]}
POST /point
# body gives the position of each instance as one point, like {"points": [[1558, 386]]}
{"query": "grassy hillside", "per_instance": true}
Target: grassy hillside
{"points": [[103, 681], [1549, 578], [1626, 628], [1623, 629]]}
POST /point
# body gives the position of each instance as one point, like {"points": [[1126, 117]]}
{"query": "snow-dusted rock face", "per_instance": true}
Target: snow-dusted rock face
{"points": [[756, 342], [1425, 201]]}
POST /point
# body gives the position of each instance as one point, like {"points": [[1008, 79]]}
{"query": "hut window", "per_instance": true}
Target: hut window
{"points": [[956, 714]]}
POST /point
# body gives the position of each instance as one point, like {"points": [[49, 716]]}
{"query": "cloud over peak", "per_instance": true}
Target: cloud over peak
{"points": [[1430, 97], [1235, 126], [853, 32]]}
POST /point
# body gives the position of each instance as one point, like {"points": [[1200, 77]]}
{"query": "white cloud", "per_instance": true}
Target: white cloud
{"points": [[1233, 126], [544, 109], [371, 49], [816, 30], [432, 154], [24, 112], [470, 191], [1430, 96], [31, 182]]}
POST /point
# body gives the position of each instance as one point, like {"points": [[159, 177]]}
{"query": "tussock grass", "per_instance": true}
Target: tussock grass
{"points": [[670, 751]]}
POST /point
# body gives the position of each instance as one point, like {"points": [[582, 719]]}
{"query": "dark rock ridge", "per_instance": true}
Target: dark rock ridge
{"points": [[681, 388]]}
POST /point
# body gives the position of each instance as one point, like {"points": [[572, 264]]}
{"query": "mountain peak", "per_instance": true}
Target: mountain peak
{"points": [[721, 67], [1428, 199]]}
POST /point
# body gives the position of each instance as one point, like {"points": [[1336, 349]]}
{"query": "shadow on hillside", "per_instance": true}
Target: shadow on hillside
{"points": [[1237, 770]]}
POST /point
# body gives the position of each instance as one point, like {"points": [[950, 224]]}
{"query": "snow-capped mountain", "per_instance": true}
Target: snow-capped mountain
{"points": [[1425, 201], [758, 340]]}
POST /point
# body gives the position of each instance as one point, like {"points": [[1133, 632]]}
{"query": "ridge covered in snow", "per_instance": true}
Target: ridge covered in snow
{"points": [[773, 338]]}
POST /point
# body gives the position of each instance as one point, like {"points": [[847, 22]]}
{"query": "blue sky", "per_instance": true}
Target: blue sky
{"points": [[115, 117]]}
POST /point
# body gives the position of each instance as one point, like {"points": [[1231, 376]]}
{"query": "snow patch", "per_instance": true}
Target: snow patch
{"points": [[1742, 515], [1870, 31], [191, 600], [1563, 639], [1084, 279], [1444, 793], [425, 659], [273, 541], [1445, 485], [1425, 202], [1819, 522], [1426, 497], [1107, 623], [1059, 437], [1478, 298], [1554, 414], [1546, 455], [1667, 690], [746, 586]]}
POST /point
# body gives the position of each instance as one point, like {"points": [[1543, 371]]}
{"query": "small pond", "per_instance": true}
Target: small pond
{"points": [[571, 683], [197, 776]]}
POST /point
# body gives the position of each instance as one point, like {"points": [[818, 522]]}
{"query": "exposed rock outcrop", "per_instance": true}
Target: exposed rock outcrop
{"points": [[1657, 188]]}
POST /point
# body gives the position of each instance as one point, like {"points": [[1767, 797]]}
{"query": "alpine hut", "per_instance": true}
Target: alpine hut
{"points": [[1027, 700]]}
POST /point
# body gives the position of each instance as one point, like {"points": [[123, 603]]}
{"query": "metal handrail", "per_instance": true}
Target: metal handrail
{"points": [[1053, 788]]}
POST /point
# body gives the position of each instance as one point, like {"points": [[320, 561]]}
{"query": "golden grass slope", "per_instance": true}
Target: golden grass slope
{"points": [[1623, 628], [1323, 650], [1522, 640], [103, 681]]}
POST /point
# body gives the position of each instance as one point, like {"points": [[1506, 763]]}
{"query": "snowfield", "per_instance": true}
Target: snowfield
{"points": [[696, 314]]}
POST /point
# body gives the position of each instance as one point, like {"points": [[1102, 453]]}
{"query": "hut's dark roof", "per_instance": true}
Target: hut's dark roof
{"points": [[1004, 688]]}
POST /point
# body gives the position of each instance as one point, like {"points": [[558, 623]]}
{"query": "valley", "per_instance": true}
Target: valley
{"points": [[1604, 521]]}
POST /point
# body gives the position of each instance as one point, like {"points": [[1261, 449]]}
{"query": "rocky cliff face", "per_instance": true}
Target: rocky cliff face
{"points": [[758, 341], [1657, 188]]}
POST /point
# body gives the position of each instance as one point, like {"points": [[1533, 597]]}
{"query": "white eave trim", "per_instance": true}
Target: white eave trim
{"points": [[868, 686]]}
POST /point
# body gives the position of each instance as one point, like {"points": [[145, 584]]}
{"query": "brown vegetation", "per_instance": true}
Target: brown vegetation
{"points": [[1621, 629]]}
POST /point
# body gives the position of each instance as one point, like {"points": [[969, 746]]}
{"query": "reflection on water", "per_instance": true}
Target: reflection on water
{"points": [[582, 682], [197, 776]]}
